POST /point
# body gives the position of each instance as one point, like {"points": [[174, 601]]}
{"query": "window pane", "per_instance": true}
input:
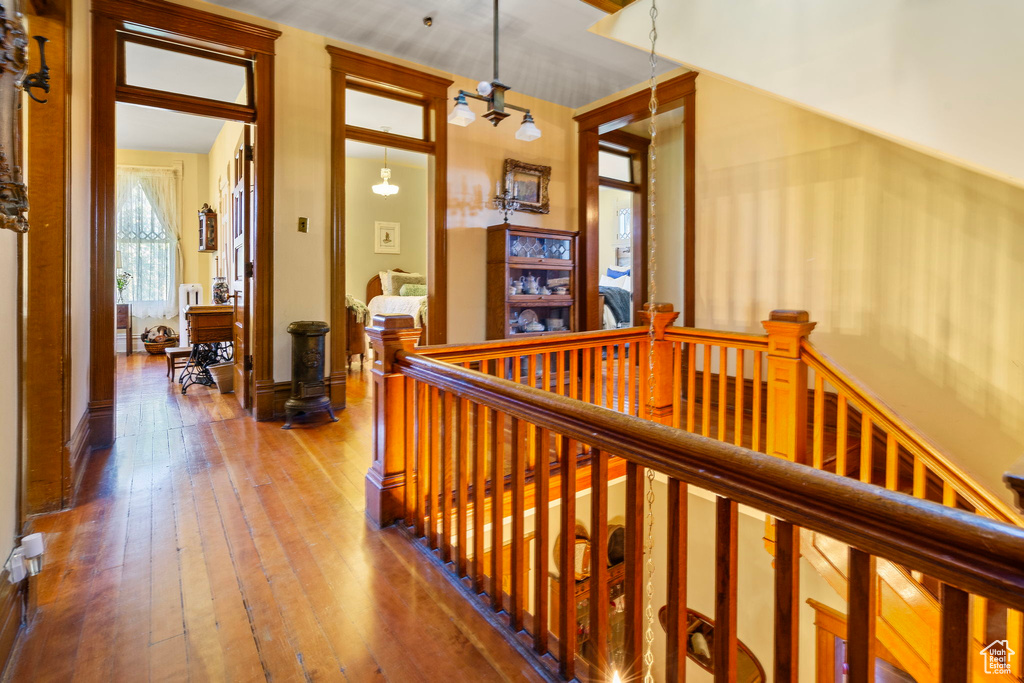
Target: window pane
{"points": [[615, 166], [159, 69], [375, 112]]}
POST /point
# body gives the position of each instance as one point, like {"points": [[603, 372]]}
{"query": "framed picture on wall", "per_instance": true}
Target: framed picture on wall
{"points": [[528, 185], [386, 238]]}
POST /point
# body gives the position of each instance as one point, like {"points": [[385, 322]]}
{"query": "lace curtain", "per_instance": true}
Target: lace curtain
{"points": [[148, 237]]}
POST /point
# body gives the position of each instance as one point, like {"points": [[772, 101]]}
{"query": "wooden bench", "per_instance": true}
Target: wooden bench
{"points": [[177, 357]]}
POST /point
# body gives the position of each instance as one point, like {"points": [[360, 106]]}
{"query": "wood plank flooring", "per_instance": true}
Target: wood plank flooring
{"points": [[205, 546]]}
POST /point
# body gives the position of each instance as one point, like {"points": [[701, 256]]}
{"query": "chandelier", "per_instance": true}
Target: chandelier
{"points": [[493, 94], [385, 188]]}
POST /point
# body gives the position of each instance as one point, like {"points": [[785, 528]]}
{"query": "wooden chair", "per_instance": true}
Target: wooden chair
{"points": [[177, 357]]}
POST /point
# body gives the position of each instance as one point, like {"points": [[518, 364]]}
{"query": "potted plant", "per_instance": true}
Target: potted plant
{"points": [[123, 278]]}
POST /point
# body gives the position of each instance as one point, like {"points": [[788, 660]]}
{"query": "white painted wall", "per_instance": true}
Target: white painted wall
{"points": [[942, 75]]}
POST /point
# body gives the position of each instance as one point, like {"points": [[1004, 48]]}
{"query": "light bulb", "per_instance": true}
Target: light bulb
{"points": [[616, 678], [484, 88], [529, 130], [461, 114], [384, 188]]}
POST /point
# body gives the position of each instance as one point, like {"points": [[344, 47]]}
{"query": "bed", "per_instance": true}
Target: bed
{"points": [[381, 304], [615, 290]]}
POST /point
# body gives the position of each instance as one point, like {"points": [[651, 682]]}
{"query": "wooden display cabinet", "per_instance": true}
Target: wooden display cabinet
{"points": [[518, 253], [616, 619]]}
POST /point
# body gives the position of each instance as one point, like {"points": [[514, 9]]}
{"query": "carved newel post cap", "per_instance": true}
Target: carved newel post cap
{"points": [[785, 316], [659, 307], [392, 322]]}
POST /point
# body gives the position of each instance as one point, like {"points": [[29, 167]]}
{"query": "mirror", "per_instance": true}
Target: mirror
{"points": [[700, 647]]}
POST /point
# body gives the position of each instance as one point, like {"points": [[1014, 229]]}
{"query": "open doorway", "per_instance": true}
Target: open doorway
{"points": [[151, 69]]}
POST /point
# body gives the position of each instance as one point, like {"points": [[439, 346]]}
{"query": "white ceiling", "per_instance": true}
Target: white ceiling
{"points": [[546, 49], [398, 157], [159, 130]]}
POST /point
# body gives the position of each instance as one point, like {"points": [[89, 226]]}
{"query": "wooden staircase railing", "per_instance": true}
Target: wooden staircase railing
{"points": [[467, 436]]}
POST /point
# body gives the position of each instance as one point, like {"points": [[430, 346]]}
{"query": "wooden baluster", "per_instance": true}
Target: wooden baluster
{"points": [[519, 550], [726, 570], [574, 374], [587, 396], [787, 601], [409, 515], [479, 495], [599, 562], [422, 455], [862, 602], [1015, 638], [545, 372], [892, 461], [677, 384], [920, 480], [531, 371], [497, 453], [705, 394], [629, 372], [603, 366], [620, 375], [462, 487], [818, 448], [436, 477], [675, 644], [723, 389], [956, 636], [691, 385], [739, 385], [644, 368], [634, 558], [842, 430], [448, 458], [866, 464], [948, 495], [542, 483], [567, 576], [560, 373], [756, 409]]}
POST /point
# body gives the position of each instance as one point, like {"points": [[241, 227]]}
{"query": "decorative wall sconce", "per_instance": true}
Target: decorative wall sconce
{"points": [[40, 79], [207, 229], [493, 94]]}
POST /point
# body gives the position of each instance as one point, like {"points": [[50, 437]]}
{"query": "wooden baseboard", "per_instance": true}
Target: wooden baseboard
{"points": [[101, 423], [337, 388], [270, 398], [77, 456], [11, 616]]}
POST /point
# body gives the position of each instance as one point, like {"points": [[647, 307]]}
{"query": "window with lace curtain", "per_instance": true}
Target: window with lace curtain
{"points": [[148, 230]]}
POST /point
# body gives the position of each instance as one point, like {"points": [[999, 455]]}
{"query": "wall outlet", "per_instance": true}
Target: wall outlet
{"points": [[303, 224]]}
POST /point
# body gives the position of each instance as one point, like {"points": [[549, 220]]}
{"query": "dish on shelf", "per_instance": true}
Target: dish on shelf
{"points": [[533, 327], [527, 316]]}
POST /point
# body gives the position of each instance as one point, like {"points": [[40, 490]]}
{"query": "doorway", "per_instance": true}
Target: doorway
{"points": [[173, 62]]}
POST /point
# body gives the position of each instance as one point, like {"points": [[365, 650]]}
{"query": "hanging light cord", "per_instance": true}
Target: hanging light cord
{"points": [[651, 298]]}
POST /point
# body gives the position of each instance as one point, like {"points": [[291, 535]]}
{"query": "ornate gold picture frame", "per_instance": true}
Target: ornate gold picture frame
{"points": [[528, 185]]}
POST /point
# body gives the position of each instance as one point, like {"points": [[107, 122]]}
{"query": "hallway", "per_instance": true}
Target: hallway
{"points": [[206, 546]]}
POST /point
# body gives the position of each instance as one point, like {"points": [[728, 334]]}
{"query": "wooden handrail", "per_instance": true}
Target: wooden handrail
{"points": [[969, 551], [736, 340], [886, 418], [501, 348]]}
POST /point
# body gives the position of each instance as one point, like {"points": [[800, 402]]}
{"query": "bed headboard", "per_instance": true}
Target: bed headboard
{"points": [[375, 288]]}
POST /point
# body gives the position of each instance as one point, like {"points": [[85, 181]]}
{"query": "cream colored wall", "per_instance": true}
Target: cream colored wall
{"points": [[671, 209], [220, 174], [610, 200], [476, 158], [196, 267], [10, 393], [911, 266], [363, 207]]}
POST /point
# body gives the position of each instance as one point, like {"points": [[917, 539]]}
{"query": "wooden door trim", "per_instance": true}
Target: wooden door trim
{"points": [[603, 121], [369, 74], [198, 29]]}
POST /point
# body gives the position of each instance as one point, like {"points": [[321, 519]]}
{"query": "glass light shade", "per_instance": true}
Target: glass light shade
{"points": [[384, 188], [461, 115], [528, 131]]}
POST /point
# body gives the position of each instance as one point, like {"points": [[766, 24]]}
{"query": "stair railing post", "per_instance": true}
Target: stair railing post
{"points": [[787, 385], [385, 480], [661, 410]]}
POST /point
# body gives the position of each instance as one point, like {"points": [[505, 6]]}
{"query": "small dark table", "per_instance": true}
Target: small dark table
{"points": [[124, 322]]}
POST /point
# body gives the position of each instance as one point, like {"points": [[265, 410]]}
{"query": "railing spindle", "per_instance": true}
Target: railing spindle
{"points": [[677, 635], [588, 372], [705, 395], [518, 522], [620, 372], [567, 575], [892, 461], [437, 418], [818, 440], [497, 454], [599, 562], [866, 463], [726, 571], [841, 433], [691, 385], [739, 384], [862, 603], [677, 384], [574, 374], [755, 439], [542, 482], [956, 637], [545, 372], [560, 373], [920, 480], [531, 371], [787, 601], [422, 429], [643, 367], [633, 644], [723, 391], [462, 487], [479, 494], [448, 456], [409, 513]]}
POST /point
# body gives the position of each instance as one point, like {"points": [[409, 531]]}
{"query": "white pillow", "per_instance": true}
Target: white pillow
{"points": [[625, 282], [385, 282]]}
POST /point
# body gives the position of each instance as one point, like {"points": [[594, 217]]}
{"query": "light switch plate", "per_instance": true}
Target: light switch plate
{"points": [[303, 224]]}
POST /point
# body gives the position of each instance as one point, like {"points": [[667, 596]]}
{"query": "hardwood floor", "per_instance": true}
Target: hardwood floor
{"points": [[206, 546]]}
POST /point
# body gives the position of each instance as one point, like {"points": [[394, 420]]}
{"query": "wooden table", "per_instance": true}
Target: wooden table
{"points": [[210, 330], [124, 322]]}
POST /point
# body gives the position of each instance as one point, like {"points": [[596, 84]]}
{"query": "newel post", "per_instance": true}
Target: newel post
{"points": [[385, 480], [664, 315], [787, 385]]}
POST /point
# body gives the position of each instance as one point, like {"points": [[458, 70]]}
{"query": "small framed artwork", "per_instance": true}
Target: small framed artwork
{"points": [[528, 185], [387, 237]]}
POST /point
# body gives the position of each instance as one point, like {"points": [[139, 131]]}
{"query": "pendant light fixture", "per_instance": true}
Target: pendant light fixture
{"points": [[493, 94], [385, 188]]}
